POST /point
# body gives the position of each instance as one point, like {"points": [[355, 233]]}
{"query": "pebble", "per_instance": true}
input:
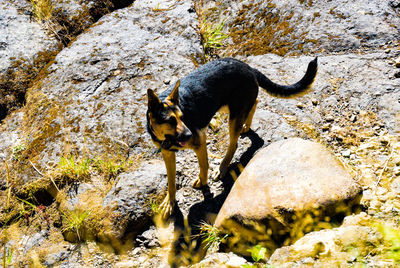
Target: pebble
{"points": [[346, 153], [381, 191], [300, 105], [397, 62], [136, 251], [326, 127], [314, 102], [397, 75], [329, 118]]}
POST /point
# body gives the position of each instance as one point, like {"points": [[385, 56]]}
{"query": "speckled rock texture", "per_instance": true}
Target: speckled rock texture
{"points": [[296, 27], [94, 92], [23, 44]]}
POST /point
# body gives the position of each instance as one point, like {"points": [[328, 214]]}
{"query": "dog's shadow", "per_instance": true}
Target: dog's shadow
{"points": [[206, 210]]}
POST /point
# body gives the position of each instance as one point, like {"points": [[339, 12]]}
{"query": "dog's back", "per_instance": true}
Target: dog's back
{"points": [[228, 82]]}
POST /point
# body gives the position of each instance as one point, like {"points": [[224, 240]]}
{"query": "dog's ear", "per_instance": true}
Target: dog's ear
{"points": [[153, 102], [174, 95]]}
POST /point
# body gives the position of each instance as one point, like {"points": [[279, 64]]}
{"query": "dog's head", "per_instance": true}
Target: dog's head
{"points": [[164, 121]]}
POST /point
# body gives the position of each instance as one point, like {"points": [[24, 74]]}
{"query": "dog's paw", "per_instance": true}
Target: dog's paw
{"points": [[197, 184], [166, 208]]}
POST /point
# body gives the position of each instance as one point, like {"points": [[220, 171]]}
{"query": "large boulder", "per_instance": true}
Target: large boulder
{"points": [[25, 47], [297, 27], [289, 188], [32, 34], [93, 96]]}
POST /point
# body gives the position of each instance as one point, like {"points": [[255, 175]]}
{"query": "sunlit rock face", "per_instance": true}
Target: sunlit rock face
{"points": [[289, 188]]}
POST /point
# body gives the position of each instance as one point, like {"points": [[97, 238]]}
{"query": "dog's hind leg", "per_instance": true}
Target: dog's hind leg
{"points": [[201, 152], [235, 127], [247, 124], [167, 206]]}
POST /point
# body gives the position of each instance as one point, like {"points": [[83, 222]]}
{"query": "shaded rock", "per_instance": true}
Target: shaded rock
{"points": [[289, 188], [131, 198], [260, 27], [339, 246], [148, 238], [53, 258], [71, 17]]}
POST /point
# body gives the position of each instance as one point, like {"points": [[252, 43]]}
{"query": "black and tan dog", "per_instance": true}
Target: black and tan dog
{"points": [[178, 117]]}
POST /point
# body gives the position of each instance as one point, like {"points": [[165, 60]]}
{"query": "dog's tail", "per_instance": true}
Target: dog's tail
{"points": [[293, 90]]}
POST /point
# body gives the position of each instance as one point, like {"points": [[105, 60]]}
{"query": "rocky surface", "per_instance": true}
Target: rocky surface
{"points": [[294, 178], [23, 46], [94, 92], [90, 102], [31, 36], [260, 27], [132, 197], [341, 245]]}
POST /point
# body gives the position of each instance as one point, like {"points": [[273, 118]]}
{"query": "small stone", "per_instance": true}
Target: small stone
{"points": [[346, 153], [314, 102], [397, 75], [353, 118], [125, 264], [326, 127], [136, 251], [375, 204], [387, 51], [300, 105], [329, 118], [381, 191], [397, 62], [352, 259]]}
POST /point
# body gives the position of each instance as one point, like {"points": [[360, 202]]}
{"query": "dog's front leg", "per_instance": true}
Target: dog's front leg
{"points": [[201, 153], [167, 206]]}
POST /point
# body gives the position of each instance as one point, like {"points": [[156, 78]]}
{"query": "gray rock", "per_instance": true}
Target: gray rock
{"points": [[24, 44], [294, 27], [131, 198], [20, 37], [98, 85], [283, 184], [148, 238], [344, 86], [54, 258], [28, 242], [27, 43]]}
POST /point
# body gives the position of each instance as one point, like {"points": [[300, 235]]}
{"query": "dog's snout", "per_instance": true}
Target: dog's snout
{"points": [[185, 135]]}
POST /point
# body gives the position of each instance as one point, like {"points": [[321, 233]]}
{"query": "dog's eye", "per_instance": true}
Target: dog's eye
{"points": [[172, 121]]}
